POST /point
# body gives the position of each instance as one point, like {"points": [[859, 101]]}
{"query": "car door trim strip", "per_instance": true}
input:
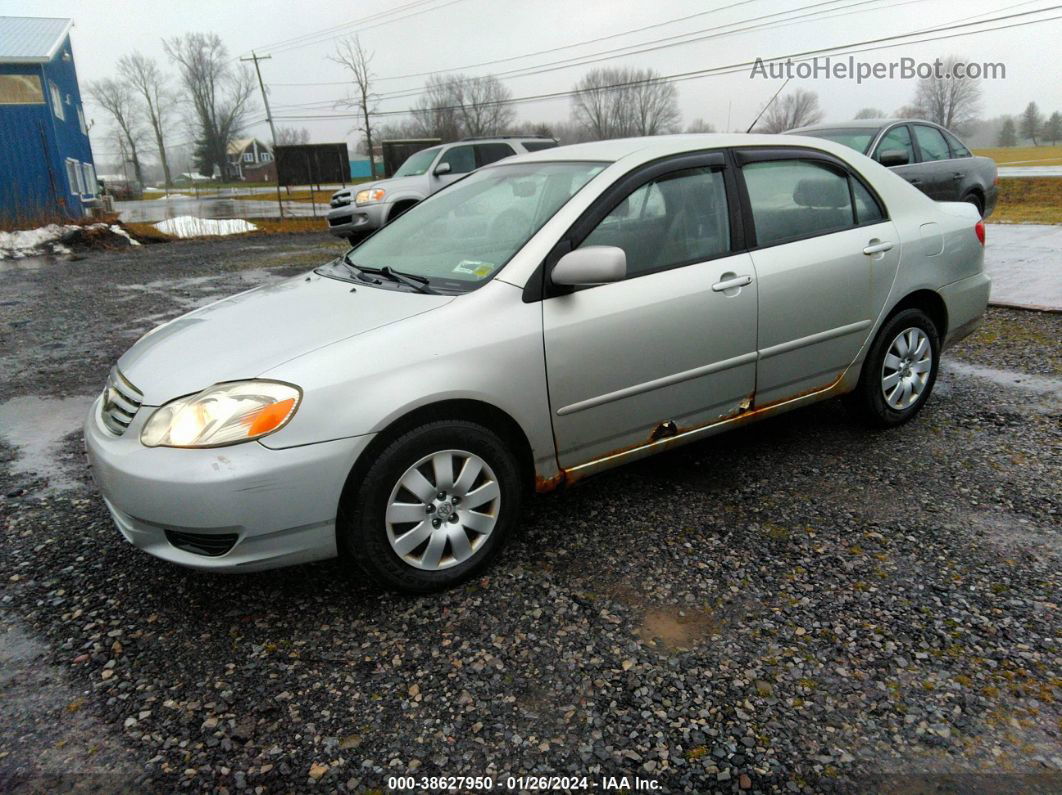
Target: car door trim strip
{"points": [[657, 383], [813, 339]]}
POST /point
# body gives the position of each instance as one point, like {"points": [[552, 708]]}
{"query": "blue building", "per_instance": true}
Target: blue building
{"points": [[46, 167]]}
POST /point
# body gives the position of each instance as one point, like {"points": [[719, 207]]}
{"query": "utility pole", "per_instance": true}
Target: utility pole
{"points": [[269, 118]]}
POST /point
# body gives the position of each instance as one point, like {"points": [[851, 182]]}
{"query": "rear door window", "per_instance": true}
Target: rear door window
{"points": [[491, 153], [931, 142], [898, 138], [793, 199]]}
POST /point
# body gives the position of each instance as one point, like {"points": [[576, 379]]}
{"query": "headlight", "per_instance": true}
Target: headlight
{"points": [[370, 196], [223, 414]]}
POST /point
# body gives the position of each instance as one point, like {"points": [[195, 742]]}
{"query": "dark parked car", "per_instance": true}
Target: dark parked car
{"points": [[928, 156]]}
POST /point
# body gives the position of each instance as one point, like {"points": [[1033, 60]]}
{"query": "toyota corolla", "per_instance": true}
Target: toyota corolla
{"points": [[541, 320]]}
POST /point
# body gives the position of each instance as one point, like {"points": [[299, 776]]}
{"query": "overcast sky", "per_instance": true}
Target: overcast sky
{"points": [[417, 36]]}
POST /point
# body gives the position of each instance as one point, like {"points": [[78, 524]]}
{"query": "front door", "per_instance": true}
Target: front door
{"points": [[825, 256], [671, 347]]}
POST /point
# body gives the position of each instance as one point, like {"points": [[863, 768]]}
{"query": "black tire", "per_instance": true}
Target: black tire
{"points": [[361, 527], [868, 400], [400, 209], [976, 201]]}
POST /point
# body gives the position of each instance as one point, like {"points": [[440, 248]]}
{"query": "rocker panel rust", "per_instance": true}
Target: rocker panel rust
{"points": [[663, 438]]}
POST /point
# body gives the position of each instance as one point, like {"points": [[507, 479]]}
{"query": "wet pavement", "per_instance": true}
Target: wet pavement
{"points": [[153, 210], [1025, 263]]}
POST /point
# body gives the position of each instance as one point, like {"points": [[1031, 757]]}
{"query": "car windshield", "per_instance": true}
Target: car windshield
{"points": [[857, 138], [463, 235], [417, 163]]}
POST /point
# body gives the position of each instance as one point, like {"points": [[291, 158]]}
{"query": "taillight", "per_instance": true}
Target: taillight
{"points": [[980, 230]]}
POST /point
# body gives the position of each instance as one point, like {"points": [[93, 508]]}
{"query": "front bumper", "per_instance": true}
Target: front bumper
{"points": [[354, 220], [279, 504]]}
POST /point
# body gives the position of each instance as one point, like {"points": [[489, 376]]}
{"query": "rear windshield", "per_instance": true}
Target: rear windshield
{"points": [[534, 146], [855, 137]]}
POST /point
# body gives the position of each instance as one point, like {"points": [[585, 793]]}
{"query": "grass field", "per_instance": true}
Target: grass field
{"points": [[1029, 200], [1024, 155]]}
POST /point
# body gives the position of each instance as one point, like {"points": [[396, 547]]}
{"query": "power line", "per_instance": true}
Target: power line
{"points": [[327, 34], [589, 58], [658, 44], [841, 49]]}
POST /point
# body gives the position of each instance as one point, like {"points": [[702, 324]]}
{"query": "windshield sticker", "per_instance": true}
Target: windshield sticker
{"points": [[474, 267]]}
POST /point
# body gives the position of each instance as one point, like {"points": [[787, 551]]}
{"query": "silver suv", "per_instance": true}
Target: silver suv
{"points": [[361, 209]]}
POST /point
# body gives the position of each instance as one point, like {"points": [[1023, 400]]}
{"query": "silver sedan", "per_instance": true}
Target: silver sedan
{"points": [[543, 319]]}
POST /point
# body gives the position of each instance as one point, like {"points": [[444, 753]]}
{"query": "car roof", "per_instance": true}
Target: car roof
{"points": [[651, 147], [857, 124]]}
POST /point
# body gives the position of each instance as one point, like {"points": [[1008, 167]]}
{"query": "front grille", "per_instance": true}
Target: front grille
{"points": [[121, 401], [210, 544], [341, 201]]}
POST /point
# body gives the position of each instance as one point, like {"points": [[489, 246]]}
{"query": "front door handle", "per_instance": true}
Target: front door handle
{"points": [[913, 180], [732, 283], [878, 248], [958, 175]]}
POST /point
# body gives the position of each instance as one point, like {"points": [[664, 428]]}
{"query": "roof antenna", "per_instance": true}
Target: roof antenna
{"points": [[776, 93]]}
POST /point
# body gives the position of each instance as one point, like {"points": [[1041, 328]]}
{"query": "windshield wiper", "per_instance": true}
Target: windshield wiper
{"points": [[418, 283]]}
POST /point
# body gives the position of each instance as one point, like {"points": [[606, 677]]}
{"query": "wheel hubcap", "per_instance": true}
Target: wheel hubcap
{"points": [[443, 509], [905, 372]]}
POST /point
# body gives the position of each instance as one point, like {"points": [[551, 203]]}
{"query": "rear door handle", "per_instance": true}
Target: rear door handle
{"points": [[913, 180], [878, 248], [730, 284], [957, 175]]}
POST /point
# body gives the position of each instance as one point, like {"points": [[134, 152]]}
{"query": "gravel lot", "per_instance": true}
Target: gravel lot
{"points": [[798, 606]]}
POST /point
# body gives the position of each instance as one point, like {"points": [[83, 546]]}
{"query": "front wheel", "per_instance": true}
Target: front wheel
{"points": [[899, 372], [434, 507]]}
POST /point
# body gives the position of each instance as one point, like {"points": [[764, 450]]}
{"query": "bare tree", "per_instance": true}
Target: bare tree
{"points": [[483, 104], [118, 100], [950, 102], [288, 136], [870, 113], [1052, 129], [146, 79], [352, 56], [219, 91], [614, 102], [797, 109], [700, 126], [436, 112]]}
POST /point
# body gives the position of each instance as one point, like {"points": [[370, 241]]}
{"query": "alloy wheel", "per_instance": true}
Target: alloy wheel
{"points": [[906, 369], [442, 510]]}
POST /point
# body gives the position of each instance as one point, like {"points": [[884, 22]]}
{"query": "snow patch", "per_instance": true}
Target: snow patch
{"points": [[190, 226], [51, 239]]}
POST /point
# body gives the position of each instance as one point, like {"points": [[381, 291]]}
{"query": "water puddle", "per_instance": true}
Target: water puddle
{"points": [[1038, 384], [36, 427]]}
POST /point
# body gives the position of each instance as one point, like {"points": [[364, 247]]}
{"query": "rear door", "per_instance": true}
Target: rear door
{"points": [[936, 166], [492, 153], [673, 346], [825, 255]]}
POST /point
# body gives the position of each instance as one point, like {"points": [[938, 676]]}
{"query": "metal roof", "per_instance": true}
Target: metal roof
{"points": [[32, 39]]}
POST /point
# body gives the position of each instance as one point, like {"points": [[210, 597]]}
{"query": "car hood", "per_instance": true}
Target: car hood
{"points": [[254, 331]]}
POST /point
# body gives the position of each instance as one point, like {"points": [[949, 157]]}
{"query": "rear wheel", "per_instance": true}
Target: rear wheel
{"points": [[900, 370], [434, 507], [976, 201]]}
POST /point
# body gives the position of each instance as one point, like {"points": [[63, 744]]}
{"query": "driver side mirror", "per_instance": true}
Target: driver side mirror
{"points": [[442, 168], [591, 265], [894, 157]]}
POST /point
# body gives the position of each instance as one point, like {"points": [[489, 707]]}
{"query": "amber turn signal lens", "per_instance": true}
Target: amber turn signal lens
{"points": [[269, 417]]}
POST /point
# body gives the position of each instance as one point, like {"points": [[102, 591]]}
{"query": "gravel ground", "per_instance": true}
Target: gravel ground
{"points": [[798, 606]]}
